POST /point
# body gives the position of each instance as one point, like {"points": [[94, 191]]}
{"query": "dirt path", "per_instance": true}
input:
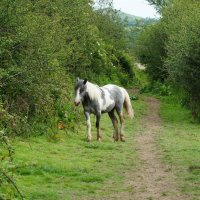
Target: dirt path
{"points": [[152, 181]]}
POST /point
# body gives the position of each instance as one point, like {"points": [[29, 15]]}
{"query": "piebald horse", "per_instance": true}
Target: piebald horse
{"points": [[106, 99]]}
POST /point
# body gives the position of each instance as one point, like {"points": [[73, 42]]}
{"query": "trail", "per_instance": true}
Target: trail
{"points": [[153, 180]]}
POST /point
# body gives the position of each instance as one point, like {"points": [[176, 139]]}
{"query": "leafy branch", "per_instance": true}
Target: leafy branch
{"points": [[11, 181], [9, 147]]}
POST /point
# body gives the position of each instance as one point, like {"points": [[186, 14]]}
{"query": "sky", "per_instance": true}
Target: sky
{"points": [[139, 8]]}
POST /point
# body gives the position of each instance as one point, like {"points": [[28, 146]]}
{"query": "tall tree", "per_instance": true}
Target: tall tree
{"points": [[159, 4]]}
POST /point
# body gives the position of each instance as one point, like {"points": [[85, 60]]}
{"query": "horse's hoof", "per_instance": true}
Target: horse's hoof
{"points": [[99, 138], [122, 138], [115, 138]]}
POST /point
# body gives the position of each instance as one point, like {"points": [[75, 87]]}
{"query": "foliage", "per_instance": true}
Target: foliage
{"points": [[159, 4], [9, 189], [170, 49], [157, 88], [150, 51], [31, 61], [183, 49], [134, 26]]}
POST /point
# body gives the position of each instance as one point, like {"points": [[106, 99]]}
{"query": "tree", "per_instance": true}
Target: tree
{"points": [[150, 50], [159, 4], [171, 49], [183, 49]]}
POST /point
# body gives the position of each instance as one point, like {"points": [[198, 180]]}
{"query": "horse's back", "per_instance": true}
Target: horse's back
{"points": [[113, 89], [115, 93]]}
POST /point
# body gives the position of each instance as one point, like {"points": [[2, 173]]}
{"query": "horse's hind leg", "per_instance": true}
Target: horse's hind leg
{"points": [[98, 117], [115, 123], [121, 118]]}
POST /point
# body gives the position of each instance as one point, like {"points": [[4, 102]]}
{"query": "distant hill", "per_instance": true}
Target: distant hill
{"points": [[127, 16], [132, 20], [134, 25]]}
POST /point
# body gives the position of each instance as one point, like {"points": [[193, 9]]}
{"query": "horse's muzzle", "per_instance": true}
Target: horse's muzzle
{"points": [[76, 103]]}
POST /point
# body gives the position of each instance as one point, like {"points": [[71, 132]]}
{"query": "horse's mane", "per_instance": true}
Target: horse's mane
{"points": [[93, 90]]}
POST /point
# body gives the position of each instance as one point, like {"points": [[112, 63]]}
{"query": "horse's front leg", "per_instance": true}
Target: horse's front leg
{"points": [[98, 117], [87, 116]]}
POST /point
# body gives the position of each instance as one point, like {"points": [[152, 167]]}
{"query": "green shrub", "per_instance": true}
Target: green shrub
{"points": [[183, 49], [170, 49]]}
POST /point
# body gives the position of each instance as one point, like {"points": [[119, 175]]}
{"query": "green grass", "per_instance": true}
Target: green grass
{"points": [[180, 143], [67, 167], [70, 168]]}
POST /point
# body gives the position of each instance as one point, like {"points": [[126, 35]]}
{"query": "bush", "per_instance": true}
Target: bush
{"points": [[43, 47], [157, 88]]}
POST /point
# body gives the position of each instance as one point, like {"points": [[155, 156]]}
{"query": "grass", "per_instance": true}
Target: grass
{"points": [[66, 167], [70, 168], [180, 143]]}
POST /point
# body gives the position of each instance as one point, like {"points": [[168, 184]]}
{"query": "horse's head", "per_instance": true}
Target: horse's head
{"points": [[80, 91]]}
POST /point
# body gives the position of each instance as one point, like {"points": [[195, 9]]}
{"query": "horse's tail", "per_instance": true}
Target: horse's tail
{"points": [[127, 105]]}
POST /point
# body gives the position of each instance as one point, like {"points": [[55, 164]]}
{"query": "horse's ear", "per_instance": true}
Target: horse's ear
{"points": [[85, 81], [77, 79]]}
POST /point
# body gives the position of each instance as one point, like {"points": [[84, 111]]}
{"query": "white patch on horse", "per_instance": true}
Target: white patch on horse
{"points": [[93, 91], [108, 100], [77, 99]]}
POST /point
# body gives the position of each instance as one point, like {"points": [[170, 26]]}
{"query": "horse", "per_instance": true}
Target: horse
{"points": [[106, 99]]}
